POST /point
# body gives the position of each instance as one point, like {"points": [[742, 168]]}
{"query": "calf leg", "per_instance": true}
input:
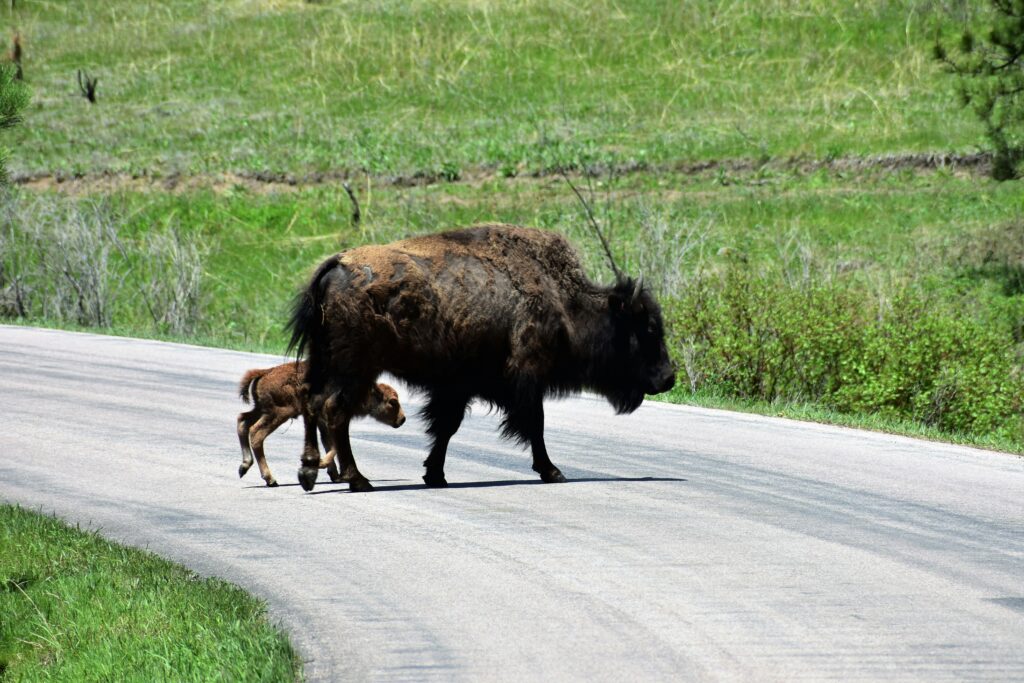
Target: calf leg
{"points": [[330, 454], [245, 422], [263, 428], [444, 413]]}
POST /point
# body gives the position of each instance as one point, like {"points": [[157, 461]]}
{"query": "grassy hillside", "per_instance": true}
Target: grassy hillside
{"points": [[794, 177], [430, 87]]}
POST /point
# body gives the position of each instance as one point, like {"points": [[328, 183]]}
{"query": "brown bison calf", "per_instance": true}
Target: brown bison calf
{"points": [[279, 394]]}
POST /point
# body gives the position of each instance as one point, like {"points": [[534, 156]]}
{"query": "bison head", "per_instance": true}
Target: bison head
{"points": [[639, 362]]}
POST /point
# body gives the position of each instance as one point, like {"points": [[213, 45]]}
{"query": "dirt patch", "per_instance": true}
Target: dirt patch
{"points": [[266, 182]]}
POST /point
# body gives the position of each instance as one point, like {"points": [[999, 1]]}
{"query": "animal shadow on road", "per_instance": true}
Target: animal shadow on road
{"points": [[319, 483], [500, 482]]}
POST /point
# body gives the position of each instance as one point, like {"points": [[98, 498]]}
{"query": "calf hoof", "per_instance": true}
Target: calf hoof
{"points": [[242, 469], [307, 477], [553, 476], [337, 478], [435, 481], [360, 485]]}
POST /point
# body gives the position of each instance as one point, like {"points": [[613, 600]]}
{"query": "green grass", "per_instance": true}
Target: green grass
{"points": [[74, 607], [810, 412], [443, 87], [261, 247]]}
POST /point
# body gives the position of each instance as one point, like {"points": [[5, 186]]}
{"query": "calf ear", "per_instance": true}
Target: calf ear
{"points": [[376, 394]]}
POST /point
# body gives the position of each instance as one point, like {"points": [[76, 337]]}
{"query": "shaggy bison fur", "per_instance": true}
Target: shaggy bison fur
{"points": [[496, 312]]}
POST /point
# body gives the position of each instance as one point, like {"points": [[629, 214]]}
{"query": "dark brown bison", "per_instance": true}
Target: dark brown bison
{"points": [[497, 312], [279, 394]]}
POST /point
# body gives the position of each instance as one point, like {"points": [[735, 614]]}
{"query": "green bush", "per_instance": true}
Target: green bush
{"points": [[753, 334]]}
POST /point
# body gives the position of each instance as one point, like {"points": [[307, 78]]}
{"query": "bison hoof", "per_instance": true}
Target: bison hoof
{"points": [[272, 482], [337, 478], [553, 476], [435, 481], [307, 477], [360, 485]]}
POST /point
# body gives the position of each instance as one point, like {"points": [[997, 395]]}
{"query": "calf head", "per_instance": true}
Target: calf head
{"points": [[384, 405]]}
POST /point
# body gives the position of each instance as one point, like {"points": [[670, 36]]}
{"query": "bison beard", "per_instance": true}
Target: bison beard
{"points": [[498, 312]]}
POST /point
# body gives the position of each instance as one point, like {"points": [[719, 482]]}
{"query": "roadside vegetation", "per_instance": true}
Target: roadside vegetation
{"points": [[796, 178], [74, 607]]}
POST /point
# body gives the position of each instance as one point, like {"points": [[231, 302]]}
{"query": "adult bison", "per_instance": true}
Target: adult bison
{"points": [[499, 312]]}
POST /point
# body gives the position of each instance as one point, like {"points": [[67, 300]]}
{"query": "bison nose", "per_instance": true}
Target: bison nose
{"points": [[400, 422], [663, 383]]}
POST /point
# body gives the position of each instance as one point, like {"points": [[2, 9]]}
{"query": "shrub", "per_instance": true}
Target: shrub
{"points": [[755, 334], [69, 261]]}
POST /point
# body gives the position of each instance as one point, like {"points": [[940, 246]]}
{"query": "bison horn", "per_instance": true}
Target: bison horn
{"points": [[637, 288]]}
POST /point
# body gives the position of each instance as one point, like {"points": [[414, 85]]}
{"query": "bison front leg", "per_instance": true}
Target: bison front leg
{"points": [[527, 423], [444, 415]]}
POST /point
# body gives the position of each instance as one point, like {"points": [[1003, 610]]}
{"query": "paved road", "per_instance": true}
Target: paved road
{"points": [[689, 544]]}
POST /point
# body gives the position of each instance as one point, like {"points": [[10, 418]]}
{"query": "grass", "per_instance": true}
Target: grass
{"points": [[811, 412], [261, 247], [76, 607], [426, 87]]}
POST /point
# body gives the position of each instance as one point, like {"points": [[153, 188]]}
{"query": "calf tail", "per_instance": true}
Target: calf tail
{"points": [[247, 387]]}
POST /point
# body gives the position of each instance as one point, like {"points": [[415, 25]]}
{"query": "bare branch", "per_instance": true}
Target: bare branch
{"points": [[597, 228], [356, 214]]}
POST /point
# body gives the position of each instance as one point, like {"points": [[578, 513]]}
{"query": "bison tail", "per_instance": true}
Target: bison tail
{"points": [[306, 322], [247, 387]]}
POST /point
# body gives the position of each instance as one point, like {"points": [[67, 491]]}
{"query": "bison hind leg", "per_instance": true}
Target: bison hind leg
{"points": [[337, 413], [443, 412], [434, 479]]}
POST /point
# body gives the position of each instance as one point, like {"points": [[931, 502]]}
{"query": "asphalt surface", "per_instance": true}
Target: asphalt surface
{"points": [[689, 544]]}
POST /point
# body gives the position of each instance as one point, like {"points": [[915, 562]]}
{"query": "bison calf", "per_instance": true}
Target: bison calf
{"points": [[280, 394]]}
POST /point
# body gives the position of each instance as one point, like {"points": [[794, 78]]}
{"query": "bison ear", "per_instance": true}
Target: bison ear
{"points": [[616, 303], [637, 288]]}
